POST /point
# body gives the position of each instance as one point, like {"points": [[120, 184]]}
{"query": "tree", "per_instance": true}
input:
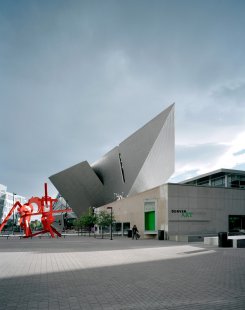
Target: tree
{"points": [[35, 225], [88, 221], [77, 224], [104, 219]]}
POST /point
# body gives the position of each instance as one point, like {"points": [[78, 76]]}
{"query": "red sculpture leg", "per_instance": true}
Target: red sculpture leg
{"points": [[45, 209]]}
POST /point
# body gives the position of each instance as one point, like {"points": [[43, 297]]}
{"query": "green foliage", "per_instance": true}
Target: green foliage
{"points": [[86, 221], [89, 219], [77, 223], [104, 219], [69, 223], [36, 225]]}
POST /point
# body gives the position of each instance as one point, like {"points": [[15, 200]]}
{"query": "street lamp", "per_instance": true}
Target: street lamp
{"points": [[13, 214], [111, 220], [64, 216]]}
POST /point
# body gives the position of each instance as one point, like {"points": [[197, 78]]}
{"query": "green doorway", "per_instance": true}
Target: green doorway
{"points": [[150, 215], [150, 220]]}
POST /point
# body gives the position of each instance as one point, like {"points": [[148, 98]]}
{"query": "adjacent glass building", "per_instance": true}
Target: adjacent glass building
{"points": [[220, 178]]}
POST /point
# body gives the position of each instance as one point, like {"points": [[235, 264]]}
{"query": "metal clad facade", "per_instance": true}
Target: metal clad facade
{"points": [[80, 186], [142, 161]]}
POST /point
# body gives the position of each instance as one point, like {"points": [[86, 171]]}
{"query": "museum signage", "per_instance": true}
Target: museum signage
{"points": [[183, 212]]}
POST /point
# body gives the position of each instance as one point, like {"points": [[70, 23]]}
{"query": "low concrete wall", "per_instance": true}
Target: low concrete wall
{"points": [[188, 238], [237, 241], [211, 241]]}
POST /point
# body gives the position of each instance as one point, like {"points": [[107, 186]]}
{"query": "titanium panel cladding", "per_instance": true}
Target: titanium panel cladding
{"points": [[142, 161], [80, 186]]}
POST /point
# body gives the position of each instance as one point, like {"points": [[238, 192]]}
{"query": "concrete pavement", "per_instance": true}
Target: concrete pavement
{"points": [[87, 273]]}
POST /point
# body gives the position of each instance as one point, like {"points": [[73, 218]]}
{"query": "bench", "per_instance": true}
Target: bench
{"points": [[237, 241]]}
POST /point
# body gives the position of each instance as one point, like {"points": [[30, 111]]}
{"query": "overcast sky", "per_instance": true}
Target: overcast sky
{"points": [[78, 77]]}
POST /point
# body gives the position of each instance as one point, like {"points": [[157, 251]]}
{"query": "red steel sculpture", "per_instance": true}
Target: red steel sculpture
{"points": [[44, 208]]}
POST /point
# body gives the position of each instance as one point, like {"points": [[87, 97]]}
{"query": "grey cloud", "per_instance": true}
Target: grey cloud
{"points": [[234, 94], [77, 78], [186, 154], [197, 156], [178, 177]]}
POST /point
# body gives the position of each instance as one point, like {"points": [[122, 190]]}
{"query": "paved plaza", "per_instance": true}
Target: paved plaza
{"points": [[87, 273]]}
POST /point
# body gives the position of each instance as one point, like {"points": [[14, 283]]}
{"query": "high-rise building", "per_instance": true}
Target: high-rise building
{"points": [[7, 200]]}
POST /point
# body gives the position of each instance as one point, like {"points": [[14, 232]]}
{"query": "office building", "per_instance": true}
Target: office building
{"points": [[7, 200]]}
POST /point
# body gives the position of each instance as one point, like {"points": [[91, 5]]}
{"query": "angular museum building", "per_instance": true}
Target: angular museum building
{"points": [[132, 179], [142, 161]]}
